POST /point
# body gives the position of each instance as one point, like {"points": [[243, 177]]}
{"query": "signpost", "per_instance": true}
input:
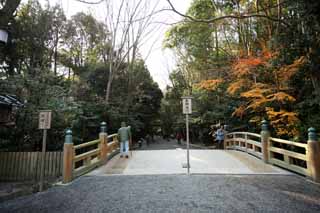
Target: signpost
{"points": [[45, 124], [3, 35], [187, 109]]}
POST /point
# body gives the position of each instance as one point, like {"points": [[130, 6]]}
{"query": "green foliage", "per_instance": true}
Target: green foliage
{"points": [[265, 65], [62, 65], [45, 91]]}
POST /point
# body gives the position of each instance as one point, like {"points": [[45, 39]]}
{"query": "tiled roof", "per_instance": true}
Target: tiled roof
{"points": [[10, 100]]}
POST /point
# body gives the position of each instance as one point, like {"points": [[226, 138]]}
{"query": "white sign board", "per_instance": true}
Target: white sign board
{"points": [[45, 119], [3, 36], [186, 105]]}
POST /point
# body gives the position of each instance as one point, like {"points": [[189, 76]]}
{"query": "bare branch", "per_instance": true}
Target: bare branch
{"points": [[128, 26], [89, 2], [232, 16], [164, 23]]}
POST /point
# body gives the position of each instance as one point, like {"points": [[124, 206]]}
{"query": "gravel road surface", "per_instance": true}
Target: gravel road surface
{"points": [[175, 193]]}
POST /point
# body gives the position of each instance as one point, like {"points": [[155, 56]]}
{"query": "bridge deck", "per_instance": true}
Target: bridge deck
{"points": [[201, 161]]}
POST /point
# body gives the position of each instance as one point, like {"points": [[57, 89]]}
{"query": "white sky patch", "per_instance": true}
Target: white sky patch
{"points": [[159, 62]]}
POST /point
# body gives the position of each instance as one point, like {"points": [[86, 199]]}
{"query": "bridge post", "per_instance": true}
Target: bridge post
{"points": [[265, 134], [68, 155], [313, 155], [103, 137]]}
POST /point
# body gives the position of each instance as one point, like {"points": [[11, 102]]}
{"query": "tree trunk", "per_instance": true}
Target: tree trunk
{"points": [[108, 91], [217, 42], [69, 73], [109, 83], [315, 83], [55, 60], [55, 56], [7, 11]]}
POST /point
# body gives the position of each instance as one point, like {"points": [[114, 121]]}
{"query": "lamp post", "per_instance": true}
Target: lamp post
{"points": [[187, 109], [3, 36]]}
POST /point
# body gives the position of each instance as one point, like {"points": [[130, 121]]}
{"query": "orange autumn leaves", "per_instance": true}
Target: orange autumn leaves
{"points": [[283, 121], [249, 65], [286, 72], [263, 103], [264, 90], [210, 85]]}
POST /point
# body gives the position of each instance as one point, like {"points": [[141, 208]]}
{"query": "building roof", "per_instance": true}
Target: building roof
{"points": [[10, 100]]}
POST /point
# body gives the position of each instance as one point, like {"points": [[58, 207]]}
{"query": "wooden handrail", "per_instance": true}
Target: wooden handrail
{"points": [[288, 153], [278, 140], [86, 144], [86, 155], [245, 133], [112, 143], [98, 152], [113, 135], [256, 143], [240, 141]]}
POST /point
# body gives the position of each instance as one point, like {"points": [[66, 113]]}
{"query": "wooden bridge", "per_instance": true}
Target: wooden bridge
{"points": [[259, 154], [253, 173]]}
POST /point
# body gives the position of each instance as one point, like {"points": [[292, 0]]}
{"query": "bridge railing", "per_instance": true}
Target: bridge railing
{"points": [[244, 141], [86, 156], [113, 143], [290, 155], [302, 158], [82, 158]]}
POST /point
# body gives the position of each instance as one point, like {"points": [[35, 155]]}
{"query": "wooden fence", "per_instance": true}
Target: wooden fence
{"points": [[302, 158], [25, 166]]}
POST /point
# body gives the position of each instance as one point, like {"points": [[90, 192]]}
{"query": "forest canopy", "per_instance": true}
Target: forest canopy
{"points": [[74, 67], [249, 60], [243, 61]]}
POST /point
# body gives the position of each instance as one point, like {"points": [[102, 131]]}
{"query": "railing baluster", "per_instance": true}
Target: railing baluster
{"points": [[265, 134], [313, 153], [68, 155], [103, 137], [90, 159], [245, 141]]}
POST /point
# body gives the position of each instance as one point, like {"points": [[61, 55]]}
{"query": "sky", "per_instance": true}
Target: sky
{"points": [[159, 61]]}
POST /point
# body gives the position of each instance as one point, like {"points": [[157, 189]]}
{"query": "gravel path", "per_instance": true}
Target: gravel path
{"points": [[175, 193]]}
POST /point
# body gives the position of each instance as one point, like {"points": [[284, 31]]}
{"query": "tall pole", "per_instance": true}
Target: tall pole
{"points": [[187, 109], [187, 125], [43, 154]]}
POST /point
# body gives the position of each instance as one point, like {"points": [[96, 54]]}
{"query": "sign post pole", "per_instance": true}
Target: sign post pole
{"points": [[43, 155], [188, 158], [187, 109], [44, 124]]}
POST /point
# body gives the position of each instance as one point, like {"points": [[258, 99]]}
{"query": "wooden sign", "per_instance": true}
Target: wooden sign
{"points": [[186, 105], [45, 119]]}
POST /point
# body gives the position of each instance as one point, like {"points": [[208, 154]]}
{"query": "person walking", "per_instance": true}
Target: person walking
{"points": [[148, 139], [212, 133], [124, 137], [220, 137], [179, 137]]}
